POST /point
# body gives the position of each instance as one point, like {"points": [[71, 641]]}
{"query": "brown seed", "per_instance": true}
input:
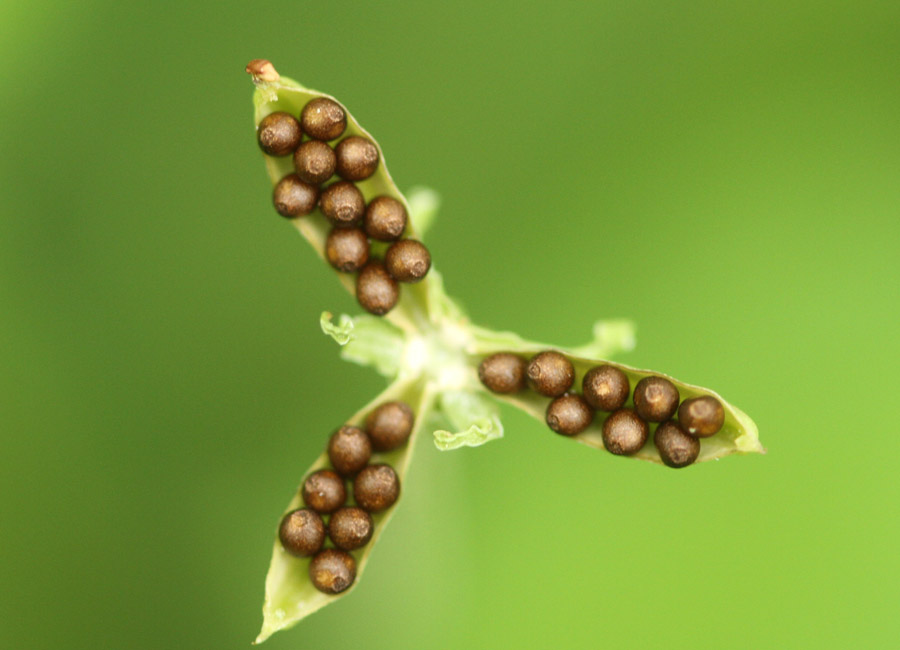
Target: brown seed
{"points": [[315, 162], [349, 450], [324, 491], [701, 416], [503, 372], [569, 414], [332, 571], [376, 290], [357, 158], [302, 532], [550, 373], [676, 448], [347, 249], [376, 487], [343, 204], [624, 433], [350, 528], [294, 198], [605, 388], [323, 119], [389, 425], [655, 399], [407, 260], [385, 218], [278, 134]]}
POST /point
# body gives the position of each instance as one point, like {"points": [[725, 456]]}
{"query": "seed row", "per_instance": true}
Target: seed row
{"points": [[375, 487], [354, 222], [606, 388]]}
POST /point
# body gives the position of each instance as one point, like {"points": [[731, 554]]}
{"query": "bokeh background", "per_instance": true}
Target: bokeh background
{"points": [[726, 174]]}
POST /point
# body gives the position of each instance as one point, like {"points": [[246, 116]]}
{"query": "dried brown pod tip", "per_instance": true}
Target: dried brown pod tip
{"points": [[343, 204], [323, 119], [503, 372], [385, 218], [569, 415], [278, 134], [302, 532], [605, 387], [701, 416], [376, 291], [332, 571], [262, 70], [376, 488], [550, 373], [676, 447], [350, 528], [349, 450], [407, 260], [294, 198], [655, 399], [347, 249], [324, 491], [314, 161], [390, 425], [357, 158], [624, 432]]}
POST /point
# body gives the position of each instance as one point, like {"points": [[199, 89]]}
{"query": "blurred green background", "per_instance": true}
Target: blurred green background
{"points": [[726, 174]]}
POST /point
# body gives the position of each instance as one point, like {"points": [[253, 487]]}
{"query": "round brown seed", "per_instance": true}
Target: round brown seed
{"points": [[332, 571], [624, 433], [550, 373], [302, 532], [324, 491], [294, 198], [343, 204], [314, 161], [389, 425], [605, 387], [407, 260], [357, 158], [376, 290], [676, 447], [569, 414], [323, 119], [278, 134], [350, 528], [385, 218], [376, 487], [349, 450], [655, 399], [347, 249], [701, 416], [503, 372]]}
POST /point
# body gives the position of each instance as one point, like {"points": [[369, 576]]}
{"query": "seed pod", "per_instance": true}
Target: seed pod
{"points": [[503, 372], [302, 532], [569, 414], [407, 260], [376, 290], [349, 450], [332, 571], [676, 448], [343, 204], [323, 119], [278, 134], [605, 388], [350, 528], [357, 158], [550, 373], [315, 162], [701, 416], [347, 249], [624, 432], [294, 198], [324, 491], [385, 218], [389, 425], [655, 399], [376, 488]]}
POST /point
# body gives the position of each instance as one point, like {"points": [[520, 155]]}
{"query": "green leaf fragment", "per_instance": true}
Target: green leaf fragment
{"points": [[475, 416], [367, 341], [342, 332]]}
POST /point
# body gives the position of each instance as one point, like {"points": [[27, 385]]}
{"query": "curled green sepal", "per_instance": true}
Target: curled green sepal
{"points": [[424, 203], [474, 416], [367, 341]]}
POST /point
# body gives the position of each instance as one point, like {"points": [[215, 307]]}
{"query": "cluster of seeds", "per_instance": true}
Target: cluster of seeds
{"points": [[327, 516], [355, 224], [606, 388]]}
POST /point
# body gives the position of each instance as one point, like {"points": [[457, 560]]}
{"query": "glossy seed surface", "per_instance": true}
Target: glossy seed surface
{"points": [[324, 491], [332, 571], [278, 134], [605, 388], [655, 399], [323, 119], [343, 204], [550, 373], [357, 158], [347, 249], [385, 219], [314, 162], [503, 372], [569, 415], [294, 198], [407, 260], [350, 528], [376, 487], [302, 532], [349, 450], [701, 416], [676, 447], [390, 425], [624, 433], [376, 291]]}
